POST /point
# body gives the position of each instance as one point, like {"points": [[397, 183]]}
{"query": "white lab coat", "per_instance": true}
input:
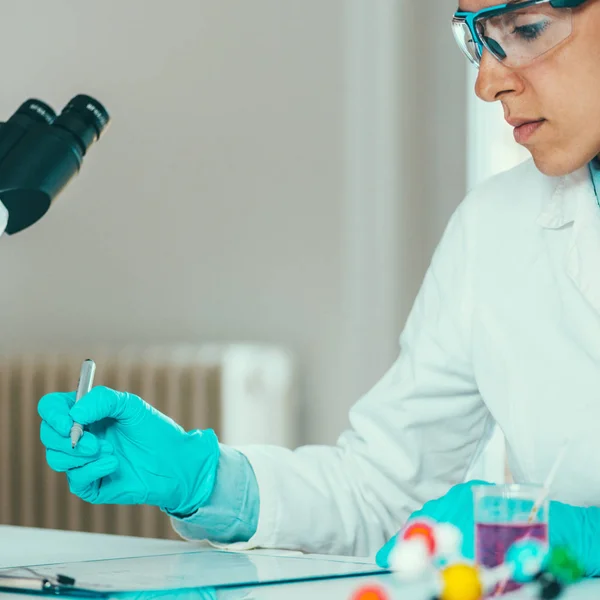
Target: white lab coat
{"points": [[506, 330]]}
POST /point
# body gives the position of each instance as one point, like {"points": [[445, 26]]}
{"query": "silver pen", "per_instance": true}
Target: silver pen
{"points": [[86, 381]]}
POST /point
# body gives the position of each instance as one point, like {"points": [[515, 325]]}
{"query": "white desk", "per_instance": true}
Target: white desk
{"points": [[38, 546], [29, 546], [343, 589]]}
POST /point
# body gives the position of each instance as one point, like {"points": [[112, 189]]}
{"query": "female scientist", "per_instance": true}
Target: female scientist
{"points": [[505, 329]]}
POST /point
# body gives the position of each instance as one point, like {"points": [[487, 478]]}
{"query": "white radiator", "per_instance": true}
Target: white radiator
{"points": [[244, 392]]}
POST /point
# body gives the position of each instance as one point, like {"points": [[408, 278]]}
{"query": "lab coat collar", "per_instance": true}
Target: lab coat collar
{"points": [[580, 206], [566, 200], [595, 171]]}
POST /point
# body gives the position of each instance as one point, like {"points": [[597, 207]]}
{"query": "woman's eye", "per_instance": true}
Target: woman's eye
{"points": [[531, 31]]}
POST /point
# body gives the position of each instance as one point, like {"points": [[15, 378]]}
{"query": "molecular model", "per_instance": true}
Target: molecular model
{"points": [[371, 592], [431, 552]]}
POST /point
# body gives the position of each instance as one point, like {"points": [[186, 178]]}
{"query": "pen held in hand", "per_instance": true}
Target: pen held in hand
{"points": [[86, 381]]}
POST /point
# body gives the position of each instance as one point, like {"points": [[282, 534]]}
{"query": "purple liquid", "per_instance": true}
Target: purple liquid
{"points": [[493, 540]]}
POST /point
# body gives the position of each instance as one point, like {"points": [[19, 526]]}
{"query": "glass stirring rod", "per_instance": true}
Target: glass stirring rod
{"points": [[540, 499]]}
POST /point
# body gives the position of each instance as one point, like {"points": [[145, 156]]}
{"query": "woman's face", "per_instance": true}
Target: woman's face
{"points": [[562, 87]]}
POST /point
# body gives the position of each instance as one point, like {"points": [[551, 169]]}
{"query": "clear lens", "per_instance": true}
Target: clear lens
{"points": [[520, 36], [465, 41]]}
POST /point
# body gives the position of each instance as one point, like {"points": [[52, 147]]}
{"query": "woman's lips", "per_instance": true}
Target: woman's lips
{"points": [[524, 130]]}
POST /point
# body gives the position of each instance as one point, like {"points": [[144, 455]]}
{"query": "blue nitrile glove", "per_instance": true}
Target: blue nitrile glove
{"points": [[183, 594], [455, 507], [132, 453], [572, 526], [577, 528]]}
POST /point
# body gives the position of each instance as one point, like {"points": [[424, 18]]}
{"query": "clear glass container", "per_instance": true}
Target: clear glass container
{"points": [[504, 514]]}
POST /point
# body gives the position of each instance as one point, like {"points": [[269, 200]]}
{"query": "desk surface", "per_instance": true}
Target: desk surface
{"points": [[343, 589], [30, 547]]}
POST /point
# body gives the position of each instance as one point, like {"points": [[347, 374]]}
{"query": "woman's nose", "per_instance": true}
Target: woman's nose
{"points": [[495, 79]]}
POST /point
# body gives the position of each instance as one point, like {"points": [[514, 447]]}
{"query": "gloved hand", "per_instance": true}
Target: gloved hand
{"points": [[130, 454], [455, 507], [578, 528], [183, 594], [572, 526]]}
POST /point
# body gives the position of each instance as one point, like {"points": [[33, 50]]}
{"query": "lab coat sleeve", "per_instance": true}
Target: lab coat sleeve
{"points": [[412, 437], [231, 513]]}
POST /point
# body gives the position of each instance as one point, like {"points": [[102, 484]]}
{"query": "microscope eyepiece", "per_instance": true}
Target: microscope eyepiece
{"points": [[36, 111], [84, 118], [41, 152]]}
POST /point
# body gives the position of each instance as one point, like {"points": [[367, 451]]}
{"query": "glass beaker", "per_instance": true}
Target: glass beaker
{"points": [[503, 514]]}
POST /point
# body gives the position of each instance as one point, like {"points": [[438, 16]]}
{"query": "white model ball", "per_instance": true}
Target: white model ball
{"points": [[448, 540], [410, 560]]}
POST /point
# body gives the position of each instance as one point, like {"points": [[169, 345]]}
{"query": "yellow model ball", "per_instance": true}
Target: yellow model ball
{"points": [[461, 582]]}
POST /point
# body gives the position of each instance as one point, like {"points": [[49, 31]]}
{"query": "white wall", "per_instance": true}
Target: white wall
{"points": [[222, 204], [406, 166]]}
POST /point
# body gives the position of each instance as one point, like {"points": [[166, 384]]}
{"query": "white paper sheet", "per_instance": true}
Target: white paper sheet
{"points": [[203, 569]]}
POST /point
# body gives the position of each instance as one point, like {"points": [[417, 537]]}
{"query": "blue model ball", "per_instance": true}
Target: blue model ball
{"points": [[527, 558]]}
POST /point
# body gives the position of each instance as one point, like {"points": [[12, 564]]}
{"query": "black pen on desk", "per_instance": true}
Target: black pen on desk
{"points": [[86, 381]]}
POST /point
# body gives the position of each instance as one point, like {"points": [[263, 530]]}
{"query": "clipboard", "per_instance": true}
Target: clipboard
{"points": [[24, 580], [196, 569]]}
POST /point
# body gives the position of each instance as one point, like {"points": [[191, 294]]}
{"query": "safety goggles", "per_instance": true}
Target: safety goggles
{"points": [[515, 33]]}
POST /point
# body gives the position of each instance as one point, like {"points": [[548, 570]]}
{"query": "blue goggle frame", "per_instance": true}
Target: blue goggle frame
{"points": [[471, 18]]}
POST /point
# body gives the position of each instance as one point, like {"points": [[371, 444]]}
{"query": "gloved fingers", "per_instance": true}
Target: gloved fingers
{"points": [[383, 555], [82, 478], [61, 462], [87, 494], [192, 594], [54, 409], [89, 445], [102, 403]]}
